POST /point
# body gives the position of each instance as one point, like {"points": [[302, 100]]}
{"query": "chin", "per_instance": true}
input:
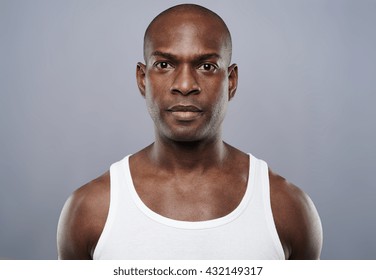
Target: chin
{"points": [[191, 137], [183, 135], [186, 133], [184, 138]]}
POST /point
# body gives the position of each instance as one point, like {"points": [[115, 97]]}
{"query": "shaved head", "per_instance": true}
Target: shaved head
{"points": [[186, 14]]}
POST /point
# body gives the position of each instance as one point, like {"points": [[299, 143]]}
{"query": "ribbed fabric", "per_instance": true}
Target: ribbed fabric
{"points": [[133, 231]]}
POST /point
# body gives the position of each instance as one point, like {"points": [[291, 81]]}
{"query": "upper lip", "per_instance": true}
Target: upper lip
{"points": [[184, 108]]}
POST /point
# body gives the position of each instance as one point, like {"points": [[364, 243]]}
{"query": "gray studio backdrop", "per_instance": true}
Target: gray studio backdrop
{"points": [[69, 107]]}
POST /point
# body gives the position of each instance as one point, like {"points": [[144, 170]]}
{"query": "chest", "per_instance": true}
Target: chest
{"points": [[192, 197]]}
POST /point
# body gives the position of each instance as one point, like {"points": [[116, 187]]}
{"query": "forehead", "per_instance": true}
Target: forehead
{"points": [[187, 34]]}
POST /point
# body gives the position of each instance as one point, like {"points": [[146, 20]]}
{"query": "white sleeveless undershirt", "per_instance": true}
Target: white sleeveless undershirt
{"points": [[133, 231]]}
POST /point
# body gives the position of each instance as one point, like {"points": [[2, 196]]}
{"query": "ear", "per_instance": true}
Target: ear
{"points": [[140, 76], [232, 80]]}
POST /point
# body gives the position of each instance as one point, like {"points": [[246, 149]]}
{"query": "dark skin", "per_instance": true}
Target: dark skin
{"points": [[188, 173]]}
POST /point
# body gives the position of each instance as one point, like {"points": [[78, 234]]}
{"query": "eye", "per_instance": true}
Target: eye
{"points": [[163, 65], [208, 67]]}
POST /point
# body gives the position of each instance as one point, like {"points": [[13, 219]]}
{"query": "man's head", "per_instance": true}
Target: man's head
{"points": [[173, 16], [186, 80]]}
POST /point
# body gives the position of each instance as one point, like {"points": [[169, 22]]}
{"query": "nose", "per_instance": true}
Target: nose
{"points": [[185, 82]]}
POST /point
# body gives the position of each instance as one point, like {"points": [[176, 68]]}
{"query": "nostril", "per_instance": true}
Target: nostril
{"points": [[195, 91], [175, 91], [185, 82], [185, 92], [185, 89]]}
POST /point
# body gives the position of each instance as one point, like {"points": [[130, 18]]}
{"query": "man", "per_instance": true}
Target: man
{"points": [[189, 195]]}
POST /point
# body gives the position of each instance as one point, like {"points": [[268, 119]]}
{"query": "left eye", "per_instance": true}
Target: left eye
{"points": [[163, 65], [207, 67]]}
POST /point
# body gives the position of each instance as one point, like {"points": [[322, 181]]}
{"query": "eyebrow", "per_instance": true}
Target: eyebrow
{"points": [[164, 54], [174, 57]]}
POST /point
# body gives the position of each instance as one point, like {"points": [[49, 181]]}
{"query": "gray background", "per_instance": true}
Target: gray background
{"points": [[69, 107]]}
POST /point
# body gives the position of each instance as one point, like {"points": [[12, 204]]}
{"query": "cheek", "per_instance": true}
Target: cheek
{"points": [[151, 90], [218, 92], [220, 100], [150, 100], [220, 107], [155, 87], [153, 97]]}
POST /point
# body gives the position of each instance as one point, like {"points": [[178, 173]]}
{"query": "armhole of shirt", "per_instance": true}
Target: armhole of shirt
{"points": [[268, 210], [114, 178]]}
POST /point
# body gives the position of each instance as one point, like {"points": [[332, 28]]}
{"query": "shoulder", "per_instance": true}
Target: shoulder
{"points": [[297, 220], [82, 219]]}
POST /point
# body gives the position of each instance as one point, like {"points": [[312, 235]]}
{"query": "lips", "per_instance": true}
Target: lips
{"points": [[185, 113], [184, 108]]}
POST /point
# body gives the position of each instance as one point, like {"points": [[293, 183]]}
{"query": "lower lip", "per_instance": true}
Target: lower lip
{"points": [[185, 115]]}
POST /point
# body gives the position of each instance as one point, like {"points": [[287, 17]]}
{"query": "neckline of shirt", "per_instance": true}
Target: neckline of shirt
{"points": [[206, 224]]}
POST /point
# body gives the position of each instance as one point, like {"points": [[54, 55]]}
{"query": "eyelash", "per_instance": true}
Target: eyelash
{"points": [[213, 67], [158, 64]]}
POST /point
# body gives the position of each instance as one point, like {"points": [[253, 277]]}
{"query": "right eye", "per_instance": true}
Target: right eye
{"points": [[163, 65]]}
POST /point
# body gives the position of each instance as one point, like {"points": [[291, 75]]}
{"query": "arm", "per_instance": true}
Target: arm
{"points": [[82, 220], [297, 221]]}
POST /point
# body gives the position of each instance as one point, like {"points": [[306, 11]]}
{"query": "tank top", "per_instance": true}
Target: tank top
{"points": [[133, 231]]}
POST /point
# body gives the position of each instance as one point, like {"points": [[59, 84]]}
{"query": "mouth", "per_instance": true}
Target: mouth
{"points": [[185, 113], [184, 108]]}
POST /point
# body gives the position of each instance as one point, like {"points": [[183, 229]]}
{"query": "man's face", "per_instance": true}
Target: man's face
{"points": [[186, 80]]}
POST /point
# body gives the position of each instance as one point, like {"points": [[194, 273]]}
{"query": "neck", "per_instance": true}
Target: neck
{"points": [[176, 155]]}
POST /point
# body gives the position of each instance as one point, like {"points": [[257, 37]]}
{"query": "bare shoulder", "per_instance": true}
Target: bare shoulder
{"points": [[297, 220], [82, 219]]}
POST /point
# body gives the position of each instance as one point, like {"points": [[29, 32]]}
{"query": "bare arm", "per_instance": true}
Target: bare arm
{"points": [[297, 220], [82, 220]]}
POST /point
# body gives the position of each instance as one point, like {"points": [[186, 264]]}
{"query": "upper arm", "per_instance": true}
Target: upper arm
{"points": [[307, 229], [82, 220], [297, 220], [71, 235]]}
